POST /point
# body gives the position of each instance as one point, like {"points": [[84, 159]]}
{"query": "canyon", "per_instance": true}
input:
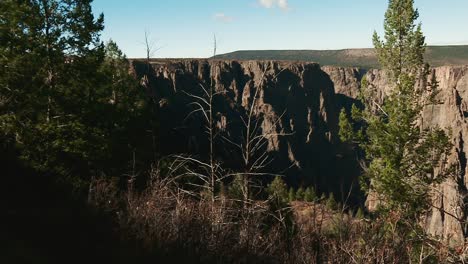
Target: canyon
{"points": [[296, 107]]}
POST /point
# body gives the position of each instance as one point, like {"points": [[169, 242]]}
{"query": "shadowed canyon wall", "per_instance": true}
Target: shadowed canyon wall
{"points": [[297, 106]]}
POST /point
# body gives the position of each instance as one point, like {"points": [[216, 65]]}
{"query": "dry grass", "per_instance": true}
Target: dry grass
{"points": [[168, 224]]}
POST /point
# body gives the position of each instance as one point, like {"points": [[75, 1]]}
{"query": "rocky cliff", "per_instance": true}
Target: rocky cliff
{"points": [[448, 217], [296, 104]]}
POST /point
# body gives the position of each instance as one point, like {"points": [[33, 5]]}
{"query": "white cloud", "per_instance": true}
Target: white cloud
{"points": [[283, 4], [223, 17], [266, 3]]}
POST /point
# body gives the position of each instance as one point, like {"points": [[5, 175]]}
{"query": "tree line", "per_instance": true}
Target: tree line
{"points": [[69, 106]]}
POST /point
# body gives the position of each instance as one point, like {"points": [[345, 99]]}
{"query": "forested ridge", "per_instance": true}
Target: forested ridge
{"points": [[362, 58]]}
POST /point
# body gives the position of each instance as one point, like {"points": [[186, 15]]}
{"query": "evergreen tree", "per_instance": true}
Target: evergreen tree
{"points": [[278, 190], [359, 213], [279, 208], [310, 195], [300, 194], [346, 129], [52, 51], [125, 112], [331, 202], [402, 155], [235, 188], [67, 103]]}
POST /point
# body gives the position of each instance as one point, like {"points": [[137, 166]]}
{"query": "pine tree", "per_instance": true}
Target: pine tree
{"points": [[235, 188], [65, 99], [310, 195], [402, 155], [359, 213], [300, 194], [346, 129], [331, 202], [278, 190], [124, 113]]}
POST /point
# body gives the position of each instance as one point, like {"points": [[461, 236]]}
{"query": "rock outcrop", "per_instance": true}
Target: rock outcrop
{"points": [[449, 214], [451, 113], [296, 105]]}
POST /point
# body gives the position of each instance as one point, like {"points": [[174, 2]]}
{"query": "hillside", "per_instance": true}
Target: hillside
{"points": [[364, 58]]}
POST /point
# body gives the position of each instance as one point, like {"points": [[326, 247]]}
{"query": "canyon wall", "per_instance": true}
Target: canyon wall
{"points": [[449, 214], [296, 104]]}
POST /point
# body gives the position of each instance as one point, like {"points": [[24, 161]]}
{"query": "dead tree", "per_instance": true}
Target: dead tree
{"points": [[253, 143]]}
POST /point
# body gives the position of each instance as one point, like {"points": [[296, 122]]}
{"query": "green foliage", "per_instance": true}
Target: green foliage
{"points": [[310, 195], [307, 195], [279, 208], [359, 213], [67, 103], [402, 155], [52, 59], [234, 190], [402, 52], [346, 129], [300, 194], [126, 112], [331, 202], [291, 194], [278, 190]]}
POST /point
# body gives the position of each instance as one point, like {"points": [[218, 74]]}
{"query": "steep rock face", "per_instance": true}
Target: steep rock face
{"points": [[297, 106], [347, 81], [450, 112]]}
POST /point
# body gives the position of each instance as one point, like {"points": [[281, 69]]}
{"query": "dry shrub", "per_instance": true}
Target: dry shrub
{"points": [[171, 224]]}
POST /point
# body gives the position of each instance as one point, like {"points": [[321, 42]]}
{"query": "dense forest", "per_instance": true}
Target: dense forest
{"points": [[84, 178]]}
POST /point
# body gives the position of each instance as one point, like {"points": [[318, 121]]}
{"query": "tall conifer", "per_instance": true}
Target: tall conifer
{"points": [[402, 156]]}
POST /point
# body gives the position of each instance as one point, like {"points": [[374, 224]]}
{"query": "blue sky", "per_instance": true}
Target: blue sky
{"points": [[185, 28]]}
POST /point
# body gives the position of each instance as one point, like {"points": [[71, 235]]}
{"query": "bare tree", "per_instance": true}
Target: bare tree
{"points": [[204, 105], [254, 141], [150, 50], [251, 146]]}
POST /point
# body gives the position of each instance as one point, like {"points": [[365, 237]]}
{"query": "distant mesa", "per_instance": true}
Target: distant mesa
{"points": [[362, 58]]}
